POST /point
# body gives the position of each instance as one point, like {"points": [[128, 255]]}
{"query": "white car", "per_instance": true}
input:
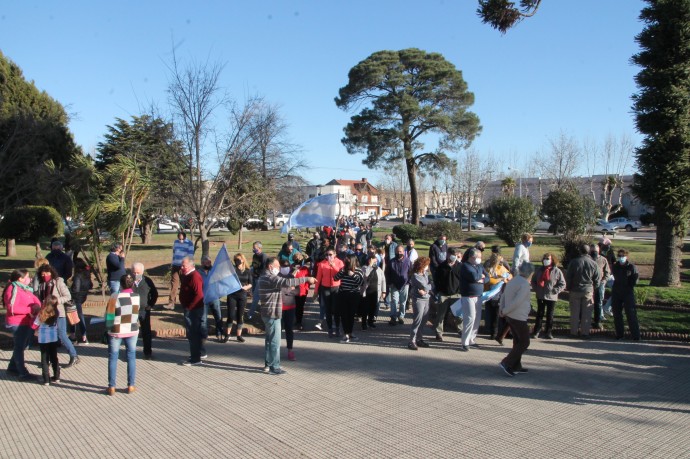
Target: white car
{"points": [[391, 217], [474, 224], [429, 219], [623, 222], [280, 220], [604, 227], [543, 226], [165, 224]]}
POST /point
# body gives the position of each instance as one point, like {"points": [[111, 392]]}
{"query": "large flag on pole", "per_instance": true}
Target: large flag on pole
{"points": [[319, 211], [222, 279]]}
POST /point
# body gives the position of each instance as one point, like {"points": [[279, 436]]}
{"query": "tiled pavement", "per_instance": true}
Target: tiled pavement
{"points": [[372, 398]]}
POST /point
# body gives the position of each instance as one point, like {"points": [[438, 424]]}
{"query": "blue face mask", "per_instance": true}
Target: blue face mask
{"points": [[255, 250], [622, 260], [528, 244]]}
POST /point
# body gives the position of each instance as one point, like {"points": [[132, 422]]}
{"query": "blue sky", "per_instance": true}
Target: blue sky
{"points": [[566, 69]]}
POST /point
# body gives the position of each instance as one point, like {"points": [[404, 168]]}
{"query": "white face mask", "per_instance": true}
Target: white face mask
{"points": [[285, 270], [452, 258], [274, 271], [622, 260], [477, 261], [547, 262]]}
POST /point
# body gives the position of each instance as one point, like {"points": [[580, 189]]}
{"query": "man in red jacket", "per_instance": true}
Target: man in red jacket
{"points": [[192, 299]]}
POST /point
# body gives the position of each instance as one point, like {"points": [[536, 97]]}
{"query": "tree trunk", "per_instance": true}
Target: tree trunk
{"points": [[205, 243], [10, 248], [239, 239], [146, 231], [668, 253], [412, 178]]}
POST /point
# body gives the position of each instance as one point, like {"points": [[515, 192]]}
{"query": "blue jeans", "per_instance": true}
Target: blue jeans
{"points": [[64, 339], [194, 332], [114, 354], [81, 326], [21, 335], [398, 301], [272, 346], [114, 286], [214, 307]]}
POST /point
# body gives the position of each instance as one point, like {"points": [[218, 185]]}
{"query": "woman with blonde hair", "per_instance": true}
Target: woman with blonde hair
{"points": [[497, 273], [237, 301], [420, 292]]}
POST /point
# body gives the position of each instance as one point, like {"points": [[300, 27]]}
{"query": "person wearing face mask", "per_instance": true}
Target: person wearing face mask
{"points": [[581, 277], [270, 289], [327, 290], [313, 248], [360, 254], [521, 253], [399, 275], [259, 260], [473, 276], [287, 297], [47, 282], [374, 292], [437, 253], [420, 291], [548, 281], [515, 306], [214, 306], [447, 286], [192, 299], [625, 276], [148, 294], [497, 273], [411, 252], [287, 253], [182, 247], [237, 301], [22, 306], [599, 289], [349, 295], [299, 270]]}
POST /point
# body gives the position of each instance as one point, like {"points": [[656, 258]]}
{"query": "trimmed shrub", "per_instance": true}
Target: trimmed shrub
{"points": [[513, 216], [31, 223], [405, 232]]}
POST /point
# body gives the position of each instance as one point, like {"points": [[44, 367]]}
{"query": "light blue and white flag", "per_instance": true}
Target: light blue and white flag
{"points": [[222, 279], [319, 211]]}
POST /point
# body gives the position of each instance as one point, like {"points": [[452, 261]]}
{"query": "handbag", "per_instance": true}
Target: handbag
{"points": [[71, 313]]}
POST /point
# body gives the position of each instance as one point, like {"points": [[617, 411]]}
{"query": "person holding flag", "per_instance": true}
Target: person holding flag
{"points": [[212, 306]]}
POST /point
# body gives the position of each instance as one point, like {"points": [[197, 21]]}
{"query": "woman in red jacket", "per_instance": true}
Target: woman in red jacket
{"points": [[22, 306]]}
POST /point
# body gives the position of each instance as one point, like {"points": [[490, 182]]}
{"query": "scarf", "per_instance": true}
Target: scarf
{"points": [[545, 276], [17, 285], [45, 289]]}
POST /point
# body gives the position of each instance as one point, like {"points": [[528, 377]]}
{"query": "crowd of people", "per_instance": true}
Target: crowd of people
{"points": [[354, 280]]}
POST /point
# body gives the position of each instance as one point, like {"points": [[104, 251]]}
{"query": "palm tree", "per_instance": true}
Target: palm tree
{"points": [[508, 186]]}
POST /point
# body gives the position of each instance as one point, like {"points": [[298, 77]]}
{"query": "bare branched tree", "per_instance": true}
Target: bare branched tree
{"points": [[610, 160], [559, 166], [473, 175]]}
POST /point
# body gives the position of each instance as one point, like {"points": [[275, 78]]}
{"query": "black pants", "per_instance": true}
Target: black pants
{"points": [[368, 307], [288, 322], [348, 302], [548, 306], [237, 303], [299, 308], [491, 317], [620, 303], [520, 331], [145, 330], [49, 357], [329, 296]]}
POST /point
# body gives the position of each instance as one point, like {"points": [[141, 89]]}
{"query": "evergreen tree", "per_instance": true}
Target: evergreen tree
{"points": [[662, 115]]}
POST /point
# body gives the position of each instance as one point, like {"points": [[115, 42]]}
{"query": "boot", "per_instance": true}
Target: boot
{"points": [[72, 362]]}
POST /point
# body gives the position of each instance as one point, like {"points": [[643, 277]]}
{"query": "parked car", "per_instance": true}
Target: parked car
{"points": [[428, 219], [392, 216], [363, 216], [623, 222], [604, 227], [543, 226], [474, 224], [280, 220], [165, 224], [484, 218]]}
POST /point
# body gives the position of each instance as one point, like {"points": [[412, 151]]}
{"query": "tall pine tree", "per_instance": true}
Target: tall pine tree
{"points": [[662, 110]]}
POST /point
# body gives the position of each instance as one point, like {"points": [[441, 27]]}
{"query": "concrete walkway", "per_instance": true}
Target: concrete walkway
{"points": [[372, 398]]}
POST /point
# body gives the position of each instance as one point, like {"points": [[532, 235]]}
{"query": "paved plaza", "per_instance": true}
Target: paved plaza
{"points": [[373, 398]]}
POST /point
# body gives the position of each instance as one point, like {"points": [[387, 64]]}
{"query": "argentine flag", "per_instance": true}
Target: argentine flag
{"points": [[319, 211], [222, 279]]}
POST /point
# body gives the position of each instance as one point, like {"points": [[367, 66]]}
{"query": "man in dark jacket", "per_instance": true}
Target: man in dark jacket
{"points": [[259, 260], [398, 275], [604, 272], [473, 276], [437, 253], [447, 285], [148, 294], [192, 299], [625, 277], [60, 260], [115, 267], [580, 278]]}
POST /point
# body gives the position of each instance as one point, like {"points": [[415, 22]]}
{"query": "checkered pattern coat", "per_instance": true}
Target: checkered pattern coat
{"points": [[122, 314]]}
